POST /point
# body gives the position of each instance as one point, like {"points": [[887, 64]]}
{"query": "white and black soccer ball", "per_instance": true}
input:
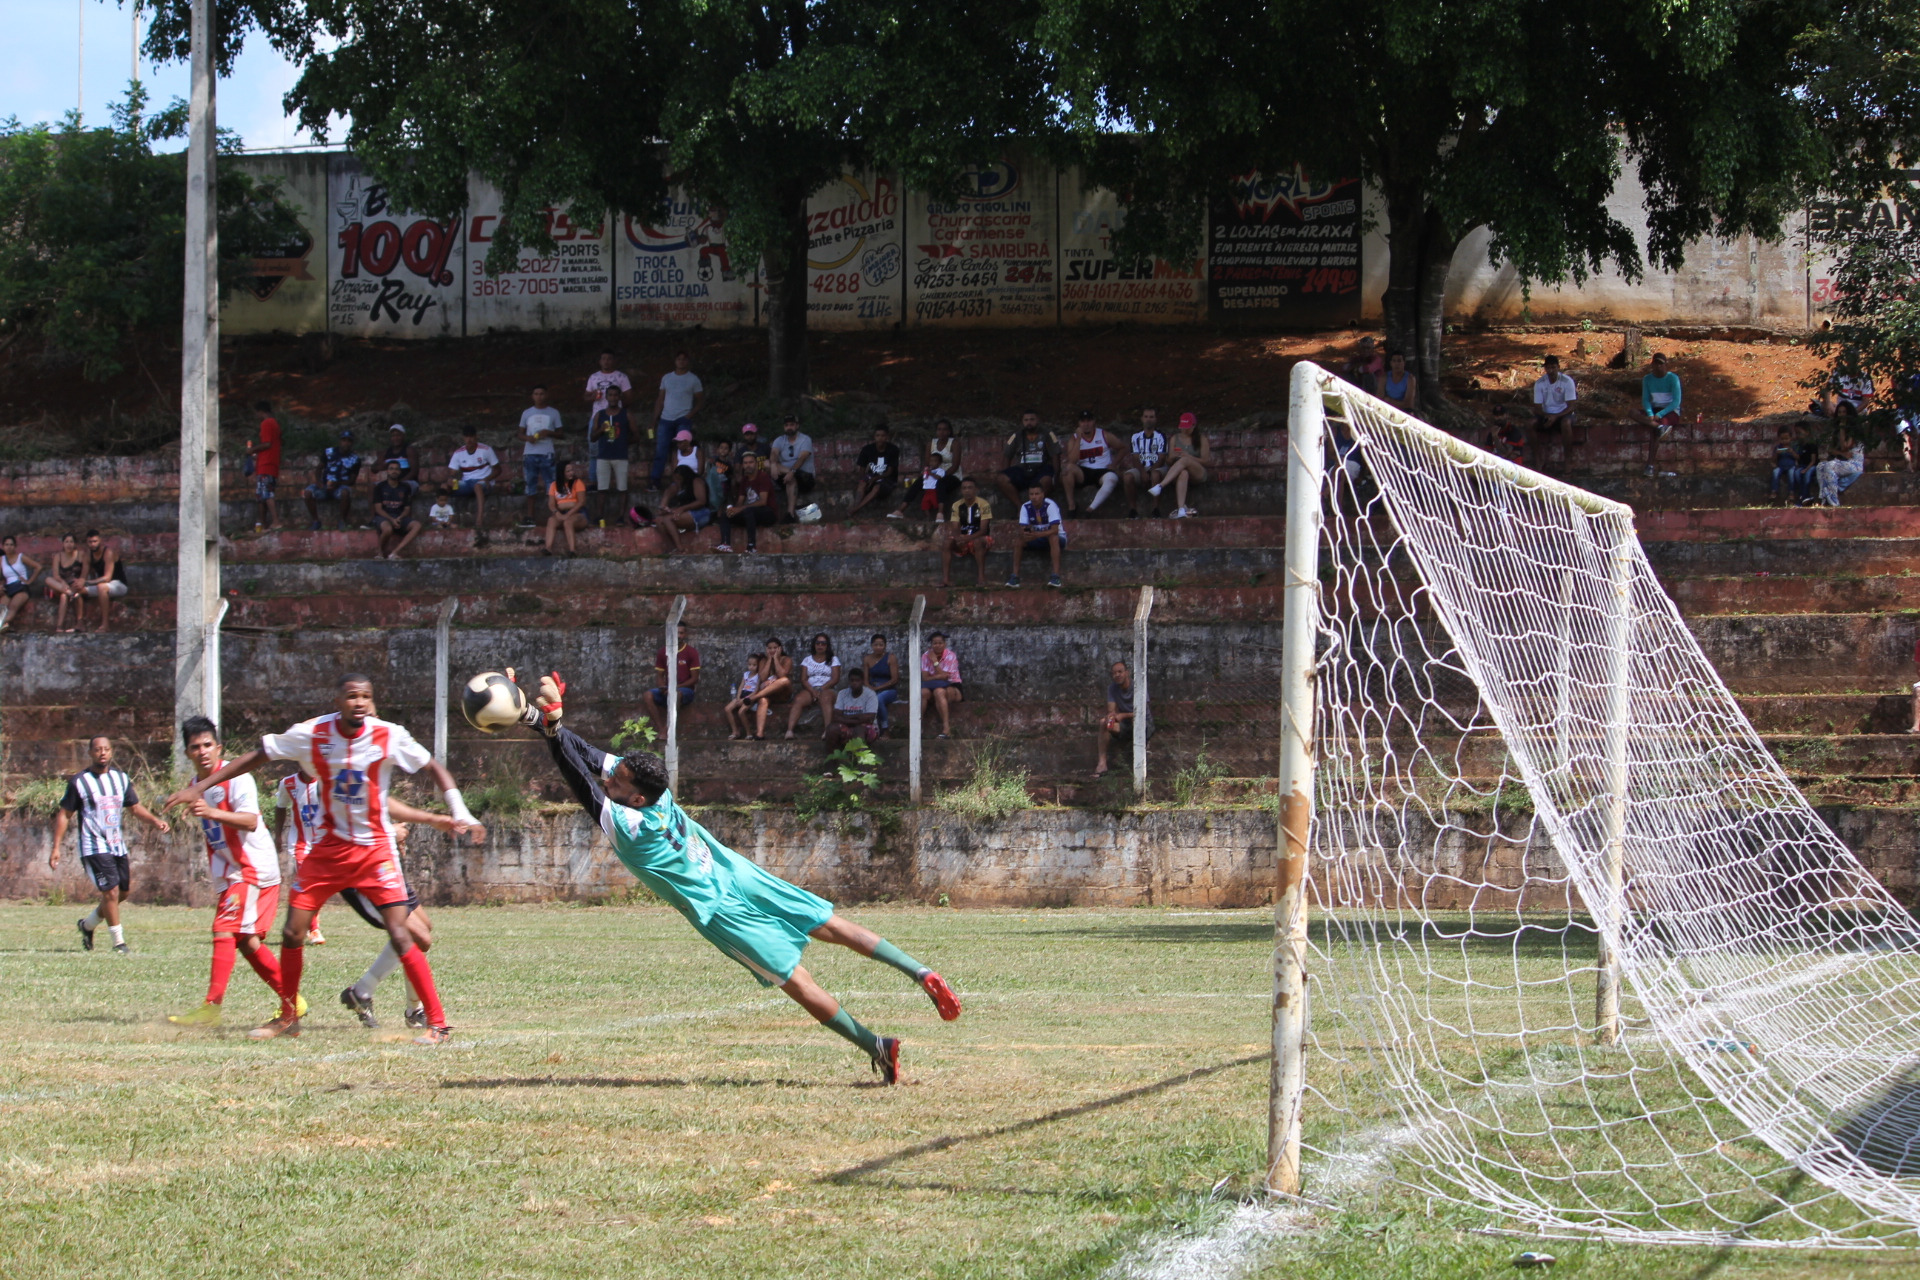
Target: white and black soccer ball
{"points": [[492, 702]]}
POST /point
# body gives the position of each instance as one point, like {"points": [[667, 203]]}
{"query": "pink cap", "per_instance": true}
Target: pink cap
{"points": [[684, 435], [749, 430], [1188, 422]]}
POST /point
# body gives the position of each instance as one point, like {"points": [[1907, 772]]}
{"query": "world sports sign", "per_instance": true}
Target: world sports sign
{"points": [[1285, 246]]}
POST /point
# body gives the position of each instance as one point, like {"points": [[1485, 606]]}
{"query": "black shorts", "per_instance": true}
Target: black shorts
{"points": [[109, 871], [881, 488], [1024, 478], [369, 912], [16, 588], [803, 481]]}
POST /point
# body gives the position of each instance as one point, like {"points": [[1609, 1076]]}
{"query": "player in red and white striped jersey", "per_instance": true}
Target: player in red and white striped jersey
{"points": [[243, 865], [351, 755], [297, 829]]}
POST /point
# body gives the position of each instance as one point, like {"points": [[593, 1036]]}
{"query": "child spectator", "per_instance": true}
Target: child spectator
{"points": [[1040, 530], [940, 680], [819, 677], [879, 468], [393, 508], [1505, 438], [1553, 415], [881, 677], [440, 514], [1030, 459], [967, 535], [333, 479], [1792, 465], [474, 463], [1659, 406], [746, 714], [266, 466], [1188, 454], [567, 508], [612, 434], [932, 476], [1143, 469], [855, 713]]}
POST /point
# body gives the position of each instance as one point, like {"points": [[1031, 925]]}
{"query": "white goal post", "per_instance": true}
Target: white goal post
{"points": [[1556, 939]]}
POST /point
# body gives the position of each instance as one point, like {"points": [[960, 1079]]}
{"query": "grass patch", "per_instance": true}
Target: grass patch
{"points": [[1195, 778], [39, 797], [996, 790]]}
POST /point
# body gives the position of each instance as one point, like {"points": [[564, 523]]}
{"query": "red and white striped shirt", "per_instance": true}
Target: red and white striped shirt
{"points": [[234, 855], [302, 799], [353, 775]]}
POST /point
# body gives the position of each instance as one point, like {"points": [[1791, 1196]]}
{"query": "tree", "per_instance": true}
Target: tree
{"points": [[1509, 114], [605, 104], [92, 227]]}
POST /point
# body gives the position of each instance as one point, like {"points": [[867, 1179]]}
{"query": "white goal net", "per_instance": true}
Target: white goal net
{"points": [[1530, 785]]}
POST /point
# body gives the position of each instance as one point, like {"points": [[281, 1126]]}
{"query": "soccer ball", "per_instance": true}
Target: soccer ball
{"points": [[491, 702]]}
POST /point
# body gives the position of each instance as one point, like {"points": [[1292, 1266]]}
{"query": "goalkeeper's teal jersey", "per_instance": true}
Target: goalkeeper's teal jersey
{"points": [[676, 857]]}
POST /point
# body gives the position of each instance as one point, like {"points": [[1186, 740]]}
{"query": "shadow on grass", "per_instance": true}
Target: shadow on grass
{"points": [[950, 1141], [1883, 1133]]}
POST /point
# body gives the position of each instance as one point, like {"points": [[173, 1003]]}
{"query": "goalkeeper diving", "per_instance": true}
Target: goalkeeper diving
{"points": [[757, 919]]}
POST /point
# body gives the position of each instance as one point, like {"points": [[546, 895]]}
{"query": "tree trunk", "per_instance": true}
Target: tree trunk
{"points": [[1419, 254], [787, 311]]}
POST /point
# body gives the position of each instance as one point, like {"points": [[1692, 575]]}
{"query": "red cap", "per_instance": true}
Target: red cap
{"points": [[1188, 422]]}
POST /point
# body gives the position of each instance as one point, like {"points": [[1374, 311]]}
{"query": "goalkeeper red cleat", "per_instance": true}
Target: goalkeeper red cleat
{"points": [[943, 998], [886, 1059]]}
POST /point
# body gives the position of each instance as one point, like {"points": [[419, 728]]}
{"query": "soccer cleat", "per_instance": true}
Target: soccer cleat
{"points": [[314, 939], [360, 1007], [886, 1059], [276, 1029], [417, 1016], [122, 949], [207, 1015], [943, 997], [434, 1035], [86, 934]]}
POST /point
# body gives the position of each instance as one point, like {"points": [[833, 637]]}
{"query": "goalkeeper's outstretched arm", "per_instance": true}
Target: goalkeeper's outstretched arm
{"points": [[581, 764]]}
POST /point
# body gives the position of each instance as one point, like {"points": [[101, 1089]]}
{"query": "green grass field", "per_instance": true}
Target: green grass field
{"points": [[623, 1101]]}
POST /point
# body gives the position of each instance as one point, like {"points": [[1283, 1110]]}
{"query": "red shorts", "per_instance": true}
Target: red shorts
{"points": [[246, 910], [333, 865]]}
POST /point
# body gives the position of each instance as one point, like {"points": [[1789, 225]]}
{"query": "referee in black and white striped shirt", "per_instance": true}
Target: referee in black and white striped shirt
{"points": [[101, 795]]}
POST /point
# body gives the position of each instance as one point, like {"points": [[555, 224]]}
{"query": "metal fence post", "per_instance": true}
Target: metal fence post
{"points": [[913, 699], [1140, 710], [672, 678], [210, 664], [442, 673]]}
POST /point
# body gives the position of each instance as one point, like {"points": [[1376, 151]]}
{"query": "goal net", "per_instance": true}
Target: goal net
{"points": [[1580, 955]]}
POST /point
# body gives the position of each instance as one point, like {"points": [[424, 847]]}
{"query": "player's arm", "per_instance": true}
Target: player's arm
{"points": [[191, 793], [60, 817], [148, 816], [245, 821], [280, 821], [438, 821]]}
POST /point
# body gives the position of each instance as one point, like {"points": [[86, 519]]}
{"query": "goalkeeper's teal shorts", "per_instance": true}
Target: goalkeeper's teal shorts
{"points": [[765, 922]]}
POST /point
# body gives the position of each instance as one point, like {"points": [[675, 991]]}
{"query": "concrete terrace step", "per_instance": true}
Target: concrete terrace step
{"points": [[1845, 521]]}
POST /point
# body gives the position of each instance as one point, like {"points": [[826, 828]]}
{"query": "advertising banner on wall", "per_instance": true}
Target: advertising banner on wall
{"points": [[570, 288], [987, 257], [854, 253], [675, 271], [1096, 287], [285, 289], [390, 272], [1285, 248]]}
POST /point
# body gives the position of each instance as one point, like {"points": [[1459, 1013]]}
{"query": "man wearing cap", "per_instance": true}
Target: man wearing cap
{"points": [[474, 462], [539, 424], [334, 477], [751, 443], [792, 461], [398, 450], [681, 396], [1094, 456]]}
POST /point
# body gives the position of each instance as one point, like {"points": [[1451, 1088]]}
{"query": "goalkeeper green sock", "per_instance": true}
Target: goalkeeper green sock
{"points": [[886, 953], [845, 1024]]}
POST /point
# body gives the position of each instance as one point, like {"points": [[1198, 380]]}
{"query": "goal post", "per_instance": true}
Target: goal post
{"points": [[1557, 942]]}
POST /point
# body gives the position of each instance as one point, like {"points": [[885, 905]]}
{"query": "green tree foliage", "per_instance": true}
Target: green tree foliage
{"points": [[603, 104], [92, 245], [1515, 115]]}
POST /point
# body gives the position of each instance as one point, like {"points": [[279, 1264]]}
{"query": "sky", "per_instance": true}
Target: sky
{"points": [[41, 72]]}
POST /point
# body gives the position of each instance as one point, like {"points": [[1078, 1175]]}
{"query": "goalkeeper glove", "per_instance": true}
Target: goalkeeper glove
{"points": [[548, 705]]}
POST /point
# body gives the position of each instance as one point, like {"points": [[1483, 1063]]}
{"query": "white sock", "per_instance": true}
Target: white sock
{"points": [[1154, 490], [383, 964], [92, 920], [113, 931], [1107, 483]]}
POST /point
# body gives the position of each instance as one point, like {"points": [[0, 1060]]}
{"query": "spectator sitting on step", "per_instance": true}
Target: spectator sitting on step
{"points": [[1792, 465], [1188, 454], [940, 681], [1846, 461], [333, 479], [566, 508], [879, 469], [686, 483], [398, 450], [1149, 447], [819, 678], [1505, 439], [393, 508], [63, 580], [877, 666], [855, 713], [1030, 460], [103, 575], [753, 506], [1116, 726], [1842, 388], [686, 679], [750, 442], [1041, 529], [776, 683], [746, 714], [690, 514], [1095, 456], [792, 459], [1553, 415], [440, 514], [474, 463], [1364, 367], [17, 573], [943, 454], [1659, 406], [1400, 386], [967, 535]]}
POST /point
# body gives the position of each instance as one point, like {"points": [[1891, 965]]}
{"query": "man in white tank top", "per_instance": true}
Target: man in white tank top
{"points": [[1094, 456]]}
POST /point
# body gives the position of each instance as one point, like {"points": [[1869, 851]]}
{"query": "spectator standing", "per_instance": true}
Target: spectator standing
{"points": [[393, 508], [103, 575], [474, 463], [1843, 388], [265, 452], [967, 535], [879, 468], [1399, 386], [1188, 454], [1847, 463], [1149, 448], [1116, 726], [686, 679], [398, 450], [1659, 406], [333, 479], [943, 458], [63, 580], [746, 714], [1365, 366], [792, 459], [17, 573], [1094, 456], [607, 375], [877, 667], [680, 398], [567, 508], [440, 514], [612, 436], [819, 677], [855, 713], [1030, 460], [940, 681], [754, 508], [1040, 530], [1553, 415], [539, 425], [101, 795]]}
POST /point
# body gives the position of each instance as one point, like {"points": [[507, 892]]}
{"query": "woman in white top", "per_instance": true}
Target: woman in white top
{"points": [[686, 474], [17, 573], [820, 673], [943, 451]]}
